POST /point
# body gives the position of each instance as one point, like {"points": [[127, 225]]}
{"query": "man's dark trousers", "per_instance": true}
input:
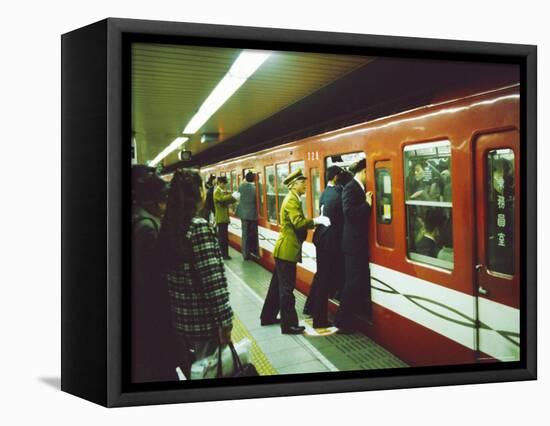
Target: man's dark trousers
{"points": [[355, 300], [249, 238], [222, 236], [280, 295], [327, 273]]}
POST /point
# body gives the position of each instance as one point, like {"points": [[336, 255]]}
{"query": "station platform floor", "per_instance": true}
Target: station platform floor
{"points": [[274, 353]]}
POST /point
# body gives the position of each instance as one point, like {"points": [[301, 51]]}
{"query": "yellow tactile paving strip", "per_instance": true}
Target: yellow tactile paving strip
{"points": [[260, 361]]}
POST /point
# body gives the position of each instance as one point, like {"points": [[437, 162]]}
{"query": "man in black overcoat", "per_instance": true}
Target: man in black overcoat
{"points": [[328, 245], [356, 206]]}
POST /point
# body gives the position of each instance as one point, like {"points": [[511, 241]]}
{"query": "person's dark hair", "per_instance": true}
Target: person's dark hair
{"points": [[333, 171], [250, 177], [147, 186], [184, 202], [210, 181], [418, 162], [434, 218], [358, 166], [222, 179]]}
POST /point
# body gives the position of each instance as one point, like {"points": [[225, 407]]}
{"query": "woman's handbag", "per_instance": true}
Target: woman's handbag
{"points": [[241, 369], [226, 361], [229, 361]]}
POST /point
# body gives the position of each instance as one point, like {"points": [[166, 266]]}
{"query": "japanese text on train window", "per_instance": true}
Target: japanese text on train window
{"points": [[282, 190], [383, 195], [260, 195], [428, 200], [271, 195], [500, 211], [295, 165]]}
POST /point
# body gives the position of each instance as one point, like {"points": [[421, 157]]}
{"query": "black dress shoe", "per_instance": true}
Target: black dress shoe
{"points": [[293, 329], [227, 258], [270, 322]]}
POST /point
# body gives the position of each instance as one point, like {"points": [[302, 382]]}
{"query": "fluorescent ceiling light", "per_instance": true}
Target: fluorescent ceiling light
{"points": [[243, 67], [176, 143]]}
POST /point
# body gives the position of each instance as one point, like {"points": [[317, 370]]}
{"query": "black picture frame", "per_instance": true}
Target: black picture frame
{"points": [[95, 205]]}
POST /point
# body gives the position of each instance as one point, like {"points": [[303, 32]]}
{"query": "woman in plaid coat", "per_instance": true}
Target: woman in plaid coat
{"points": [[199, 298]]}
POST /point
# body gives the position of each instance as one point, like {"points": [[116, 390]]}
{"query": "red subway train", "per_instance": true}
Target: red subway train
{"points": [[449, 172]]}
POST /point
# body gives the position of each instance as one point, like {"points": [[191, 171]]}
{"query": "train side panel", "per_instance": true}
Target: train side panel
{"points": [[425, 314]]}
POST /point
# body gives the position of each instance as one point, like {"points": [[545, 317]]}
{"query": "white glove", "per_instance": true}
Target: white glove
{"points": [[236, 195], [321, 220]]}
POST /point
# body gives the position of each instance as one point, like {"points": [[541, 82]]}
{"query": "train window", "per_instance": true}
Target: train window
{"points": [[260, 195], [427, 171], [500, 211], [295, 165], [282, 190], [383, 195], [315, 190], [233, 186], [270, 186], [344, 160], [233, 180]]}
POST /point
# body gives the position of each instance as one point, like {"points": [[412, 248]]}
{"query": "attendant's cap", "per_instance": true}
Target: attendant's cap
{"points": [[293, 177]]}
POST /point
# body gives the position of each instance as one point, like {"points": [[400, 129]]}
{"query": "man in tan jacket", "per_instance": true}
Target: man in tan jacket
{"points": [[287, 253]]}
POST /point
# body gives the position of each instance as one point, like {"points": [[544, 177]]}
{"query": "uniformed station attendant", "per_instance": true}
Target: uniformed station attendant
{"points": [[287, 253]]}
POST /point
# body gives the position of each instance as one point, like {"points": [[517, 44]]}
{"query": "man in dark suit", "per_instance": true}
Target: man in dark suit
{"points": [[356, 205], [248, 213], [328, 245]]}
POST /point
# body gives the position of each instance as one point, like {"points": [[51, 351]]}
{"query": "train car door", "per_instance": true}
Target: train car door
{"points": [[497, 266]]}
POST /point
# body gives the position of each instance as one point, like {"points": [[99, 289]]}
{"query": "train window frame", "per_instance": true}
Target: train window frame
{"points": [[315, 211], [489, 188], [260, 194], [424, 150], [383, 197], [303, 198], [267, 174], [281, 191], [234, 184], [379, 216]]}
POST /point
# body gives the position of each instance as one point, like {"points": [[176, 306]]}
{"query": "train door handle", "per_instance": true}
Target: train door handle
{"points": [[478, 267], [483, 291]]}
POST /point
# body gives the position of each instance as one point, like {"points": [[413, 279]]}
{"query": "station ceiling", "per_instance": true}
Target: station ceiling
{"points": [[170, 82]]}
